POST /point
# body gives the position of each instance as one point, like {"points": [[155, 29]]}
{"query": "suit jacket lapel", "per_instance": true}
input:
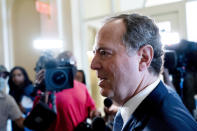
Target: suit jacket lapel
{"points": [[150, 104]]}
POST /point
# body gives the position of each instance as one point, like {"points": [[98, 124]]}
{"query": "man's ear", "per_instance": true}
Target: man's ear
{"points": [[146, 54]]}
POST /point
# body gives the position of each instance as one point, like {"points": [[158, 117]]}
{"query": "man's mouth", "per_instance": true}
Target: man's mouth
{"points": [[101, 81]]}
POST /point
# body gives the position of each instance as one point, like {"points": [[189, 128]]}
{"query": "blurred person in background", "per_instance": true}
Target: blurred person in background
{"points": [[21, 89], [8, 107], [80, 76]]}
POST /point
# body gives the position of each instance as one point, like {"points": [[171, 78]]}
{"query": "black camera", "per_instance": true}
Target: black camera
{"points": [[58, 78], [59, 75], [181, 55]]}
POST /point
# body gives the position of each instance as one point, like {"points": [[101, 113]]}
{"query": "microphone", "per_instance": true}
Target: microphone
{"points": [[108, 102], [109, 117]]}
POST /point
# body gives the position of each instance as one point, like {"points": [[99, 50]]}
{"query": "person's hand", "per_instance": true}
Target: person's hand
{"points": [[40, 77], [112, 110], [94, 113], [20, 122]]}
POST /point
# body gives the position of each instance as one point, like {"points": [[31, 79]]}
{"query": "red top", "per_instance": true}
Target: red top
{"points": [[73, 106]]}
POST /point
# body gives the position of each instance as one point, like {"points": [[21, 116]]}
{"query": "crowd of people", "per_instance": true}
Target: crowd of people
{"points": [[128, 59], [73, 105]]}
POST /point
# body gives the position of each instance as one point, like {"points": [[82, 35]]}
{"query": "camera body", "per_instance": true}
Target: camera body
{"points": [[183, 54], [59, 78], [59, 75]]}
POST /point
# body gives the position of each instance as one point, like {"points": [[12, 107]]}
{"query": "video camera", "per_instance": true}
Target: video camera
{"points": [[59, 74], [181, 55]]}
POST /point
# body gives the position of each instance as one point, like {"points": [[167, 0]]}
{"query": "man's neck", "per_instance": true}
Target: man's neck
{"points": [[145, 82]]}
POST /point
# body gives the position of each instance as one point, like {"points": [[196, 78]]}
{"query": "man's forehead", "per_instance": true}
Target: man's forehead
{"points": [[114, 21], [107, 46], [103, 42], [96, 46], [110, 32], [114, 26], [100, 46]]}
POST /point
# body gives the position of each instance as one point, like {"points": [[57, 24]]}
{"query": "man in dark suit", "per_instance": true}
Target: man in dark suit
{"points": [[128, 59]]}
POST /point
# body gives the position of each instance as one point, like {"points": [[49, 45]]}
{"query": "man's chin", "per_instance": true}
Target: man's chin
{"points": [[106, 93]]}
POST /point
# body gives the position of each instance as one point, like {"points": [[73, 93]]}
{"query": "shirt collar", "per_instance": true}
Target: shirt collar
{"points": [[130, 106]]}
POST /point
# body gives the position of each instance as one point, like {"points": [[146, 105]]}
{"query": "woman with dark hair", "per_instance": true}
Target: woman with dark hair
{"points": [[21, 89], [80, 76]]}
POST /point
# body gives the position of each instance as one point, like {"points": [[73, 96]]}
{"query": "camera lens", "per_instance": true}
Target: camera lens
{"points": [[59, 78]]}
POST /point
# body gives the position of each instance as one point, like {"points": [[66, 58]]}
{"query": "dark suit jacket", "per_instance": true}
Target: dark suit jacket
{"points": [[161, 110]]}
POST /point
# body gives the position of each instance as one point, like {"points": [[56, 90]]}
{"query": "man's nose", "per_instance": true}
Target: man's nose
{"points": [[95, 64]]}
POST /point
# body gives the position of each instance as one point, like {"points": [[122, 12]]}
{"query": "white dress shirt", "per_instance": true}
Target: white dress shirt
{"points": [[130, 106]]}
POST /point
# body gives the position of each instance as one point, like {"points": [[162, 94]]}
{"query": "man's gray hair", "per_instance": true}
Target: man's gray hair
{"points": [[140, 31]]}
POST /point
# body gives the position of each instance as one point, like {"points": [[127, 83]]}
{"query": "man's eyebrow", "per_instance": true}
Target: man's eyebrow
{"points": [[102, 48], [95, 49]]}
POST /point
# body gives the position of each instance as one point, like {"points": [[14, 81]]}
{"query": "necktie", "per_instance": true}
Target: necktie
{"points": [[118, 122]]}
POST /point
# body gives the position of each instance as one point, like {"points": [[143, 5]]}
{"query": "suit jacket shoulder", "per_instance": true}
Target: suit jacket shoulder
{"points": [[161, 110]]}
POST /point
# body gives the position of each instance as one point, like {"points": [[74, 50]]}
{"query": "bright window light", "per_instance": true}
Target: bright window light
{"points": [[90, 54], [191, 20], [164, 26], [169, 38], [131, 4], [48, 44], [159, 2]]}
